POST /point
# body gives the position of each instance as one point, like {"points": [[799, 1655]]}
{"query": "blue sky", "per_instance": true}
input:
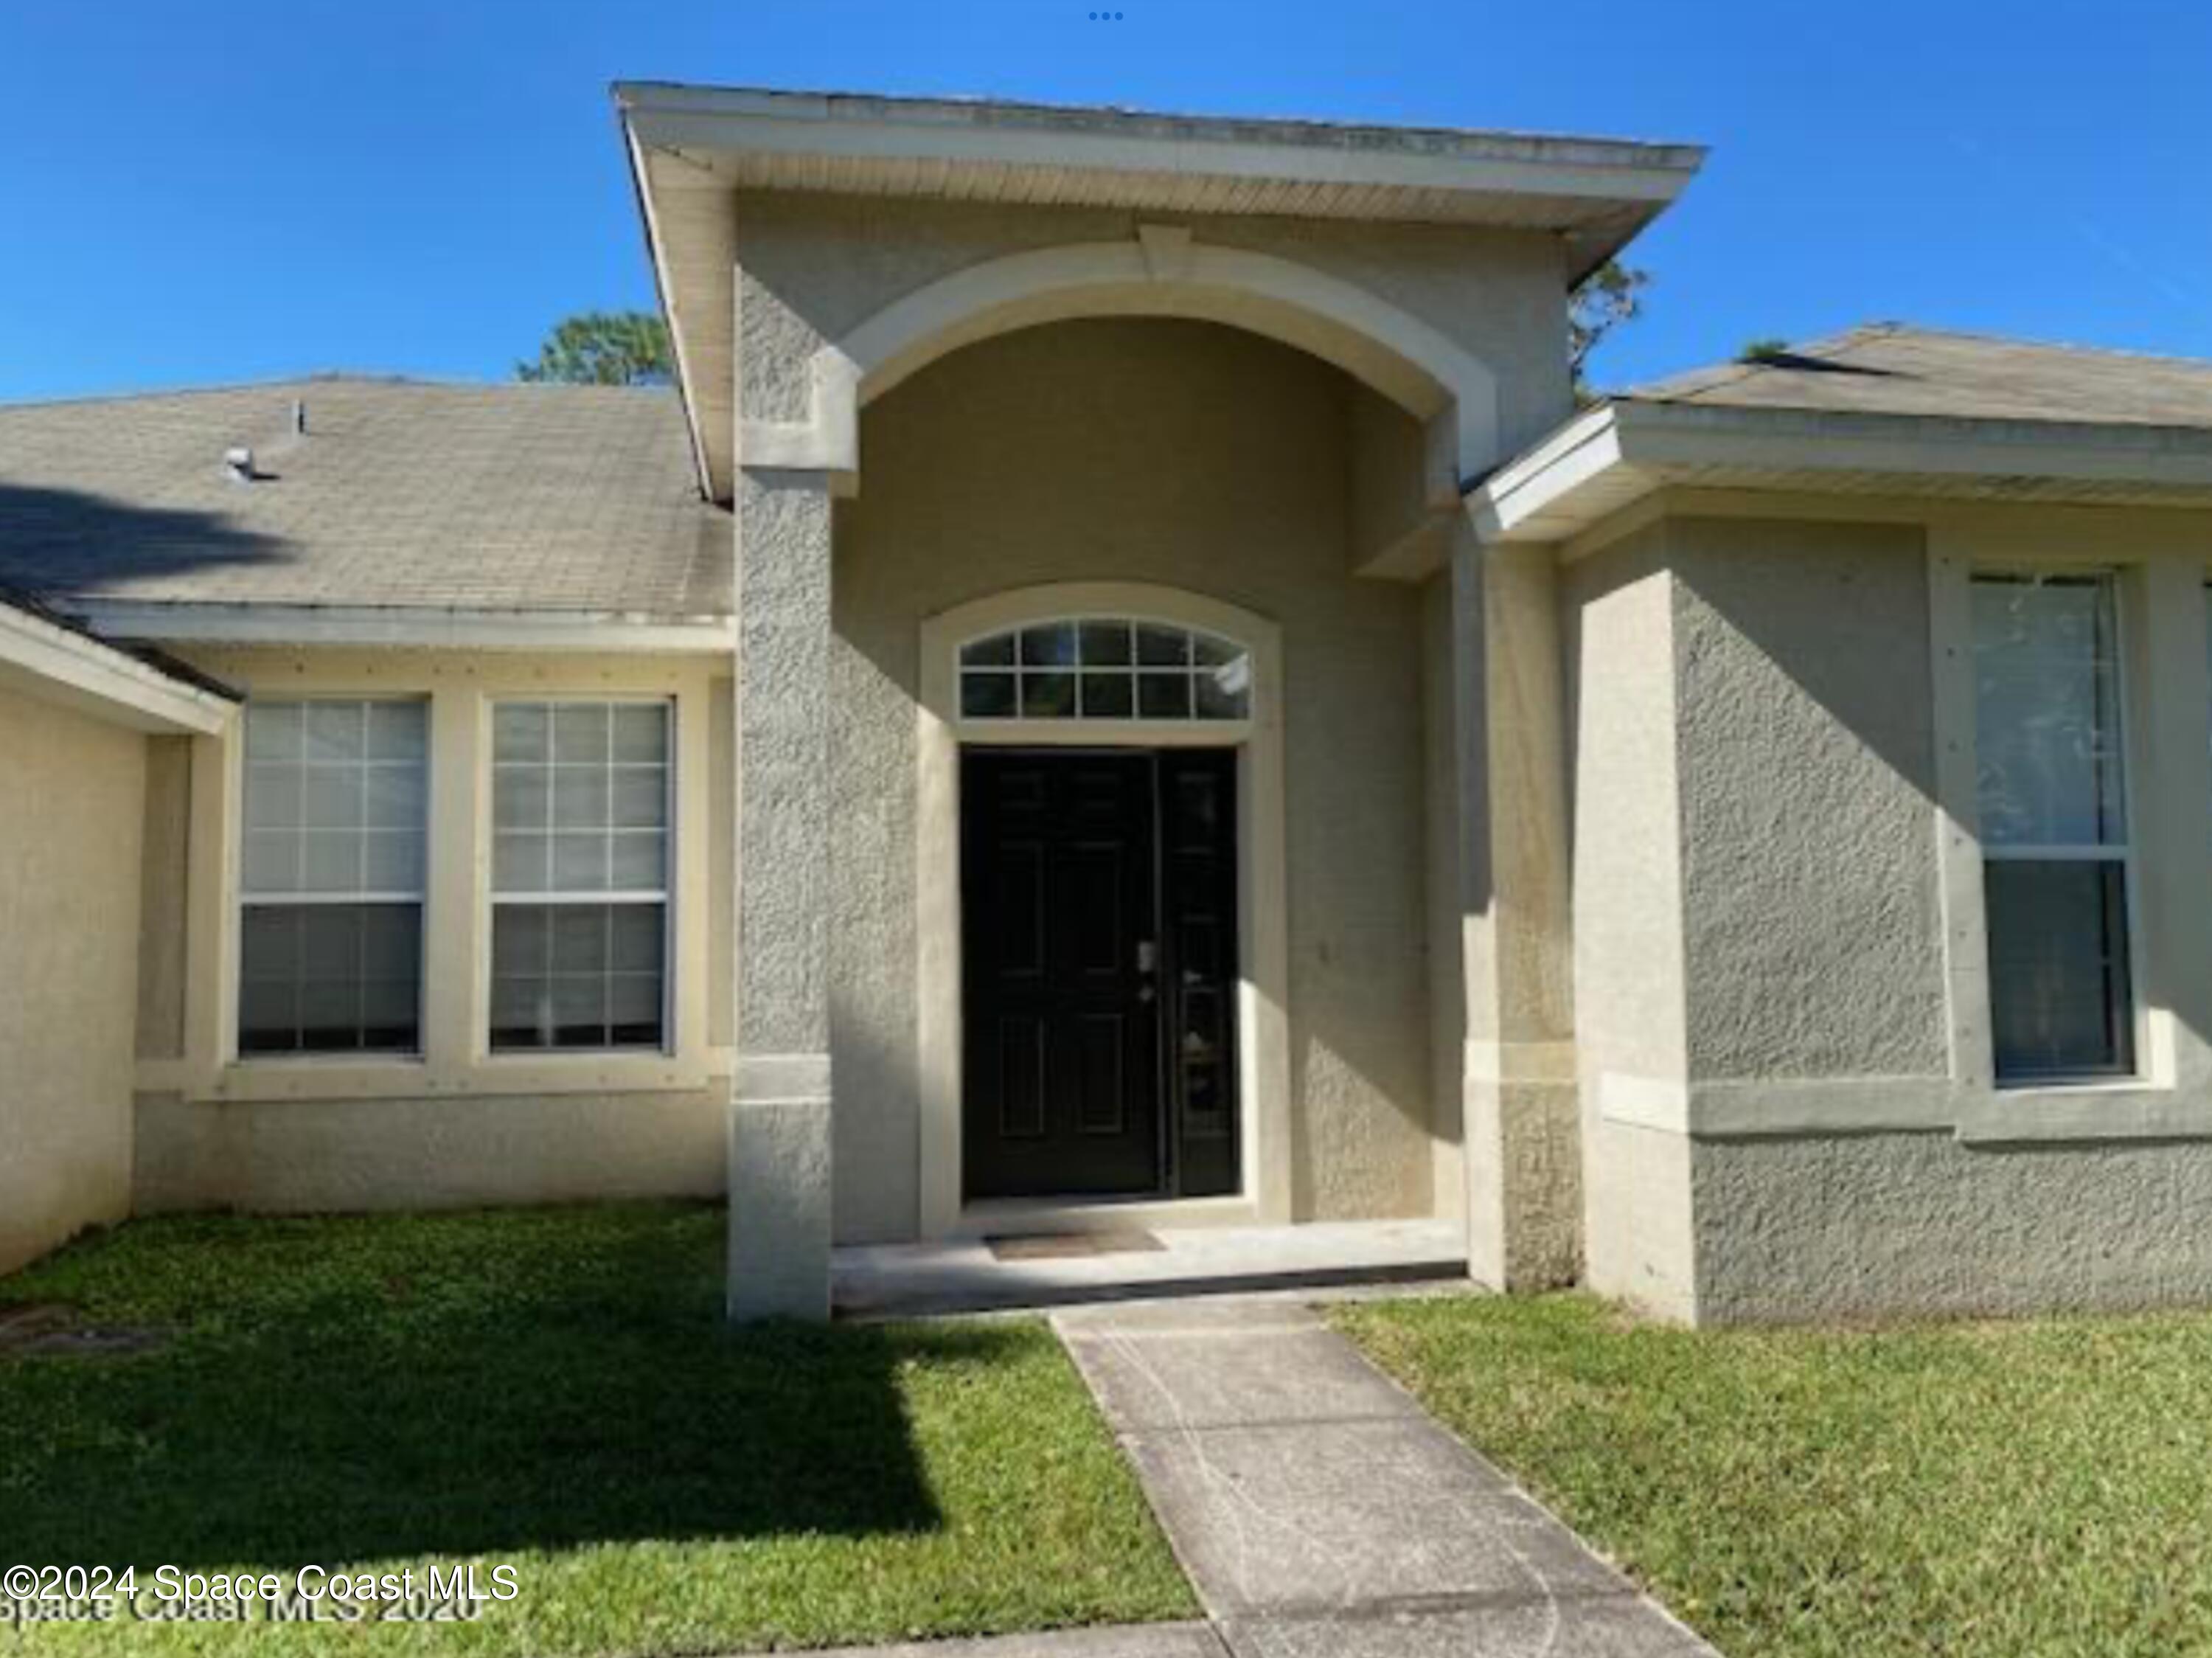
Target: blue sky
{"points": [[197, 194]]}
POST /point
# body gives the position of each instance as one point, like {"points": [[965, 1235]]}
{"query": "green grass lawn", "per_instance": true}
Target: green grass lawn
{"points": [[554, 1390], [1973, 1490]]}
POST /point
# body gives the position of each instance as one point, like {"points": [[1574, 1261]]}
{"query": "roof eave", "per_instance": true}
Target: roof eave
{"points": [[53, 660], [1612, 456], [422, 627]]}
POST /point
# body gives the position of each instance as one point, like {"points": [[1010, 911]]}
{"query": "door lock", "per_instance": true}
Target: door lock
{"points": [[1147, 955]]}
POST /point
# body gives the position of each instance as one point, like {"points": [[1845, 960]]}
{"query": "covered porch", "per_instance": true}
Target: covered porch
{"points": [[1150, 795]]}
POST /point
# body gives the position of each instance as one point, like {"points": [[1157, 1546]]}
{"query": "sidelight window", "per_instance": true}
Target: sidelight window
{"points": [[1105, 668]]}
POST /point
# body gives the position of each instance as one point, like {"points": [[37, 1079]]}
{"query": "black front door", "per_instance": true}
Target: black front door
{"points": [[1099, 1052]]}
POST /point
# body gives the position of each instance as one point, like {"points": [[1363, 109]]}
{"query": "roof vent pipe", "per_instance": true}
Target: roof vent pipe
{"points": [[239, 460], [299, 416]]}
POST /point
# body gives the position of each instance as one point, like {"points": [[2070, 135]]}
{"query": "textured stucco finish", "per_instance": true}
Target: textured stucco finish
{"points": [[1618, 612], [1188, 455], [813, 268], [783, 720], [307, 1155], [1758, 895], [779, 1209], [1896, 1224], [71, 810], [1813, 924]]}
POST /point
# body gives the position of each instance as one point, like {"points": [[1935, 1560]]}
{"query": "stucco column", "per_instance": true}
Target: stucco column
{"points": [[779, 1145], [1521, 1155]]}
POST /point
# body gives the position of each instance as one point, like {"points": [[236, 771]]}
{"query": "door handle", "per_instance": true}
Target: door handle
{"points": [[1147, 955]]}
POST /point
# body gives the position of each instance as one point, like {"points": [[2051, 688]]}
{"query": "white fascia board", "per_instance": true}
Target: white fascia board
{"points": [[1612, 456], [1518, 501], [56, 664], [706, 119], [303, 625], [1798, 440], [664, 287]]}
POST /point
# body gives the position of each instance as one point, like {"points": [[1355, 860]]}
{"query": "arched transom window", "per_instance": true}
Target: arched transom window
{"points": [[1104, 667]]}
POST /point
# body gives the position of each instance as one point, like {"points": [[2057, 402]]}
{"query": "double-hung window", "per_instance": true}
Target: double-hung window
{"points": [[332, 877], [580, 875], [2051, 789]]}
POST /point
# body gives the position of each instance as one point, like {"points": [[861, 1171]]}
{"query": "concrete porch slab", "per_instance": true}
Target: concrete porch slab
{"points": [[963, 1276]]}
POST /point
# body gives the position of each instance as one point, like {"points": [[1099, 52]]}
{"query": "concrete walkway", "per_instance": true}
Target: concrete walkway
{"points": [[1319, 1511], [1321, 1514]]}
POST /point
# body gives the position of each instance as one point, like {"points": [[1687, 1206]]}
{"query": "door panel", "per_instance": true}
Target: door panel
{"points": [[1062, 1046]]}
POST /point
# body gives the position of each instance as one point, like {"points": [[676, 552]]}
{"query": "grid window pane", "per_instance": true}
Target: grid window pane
{"points": [[1050, 646], [521, 731], [2051, 789], [1107, 667], [580, 734], [1047, 696], [640, 735], [1162, 647], [1163, 696], [521, 796], [332, 865], [988, 696], [580, 811]]}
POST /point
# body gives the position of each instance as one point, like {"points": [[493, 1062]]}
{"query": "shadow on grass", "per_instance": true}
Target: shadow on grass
{"points": [[352, 1389]]}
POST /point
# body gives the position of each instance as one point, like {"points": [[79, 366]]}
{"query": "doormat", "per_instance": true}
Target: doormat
{"points": [[1068, 1245]]}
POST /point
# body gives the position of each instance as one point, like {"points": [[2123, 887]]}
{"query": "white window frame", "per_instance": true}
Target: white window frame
{"points": [[670, 1043], [2138, 1066], [243, 900]]}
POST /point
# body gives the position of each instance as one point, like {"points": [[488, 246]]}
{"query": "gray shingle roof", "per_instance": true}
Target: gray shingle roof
{"points": [[403, 494], [1892, 368]]}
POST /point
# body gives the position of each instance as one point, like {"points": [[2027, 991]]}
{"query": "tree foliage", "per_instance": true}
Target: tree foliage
{"points": [[605, 348], [1610, 296]]}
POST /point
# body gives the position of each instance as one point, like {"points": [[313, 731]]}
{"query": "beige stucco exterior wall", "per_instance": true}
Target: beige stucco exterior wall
{"points": [[1618, 611], [1780, 992], [813, 268], [1758, 906], [1813, 927], [1902, 1224], [1147, 451], [70, 793], [309, 1156]]}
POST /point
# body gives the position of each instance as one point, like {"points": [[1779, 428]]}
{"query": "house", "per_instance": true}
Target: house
{"points": [[1123, 685]]}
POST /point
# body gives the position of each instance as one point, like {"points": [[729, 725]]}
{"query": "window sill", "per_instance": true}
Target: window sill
{"points": [[2124, 1108]]}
